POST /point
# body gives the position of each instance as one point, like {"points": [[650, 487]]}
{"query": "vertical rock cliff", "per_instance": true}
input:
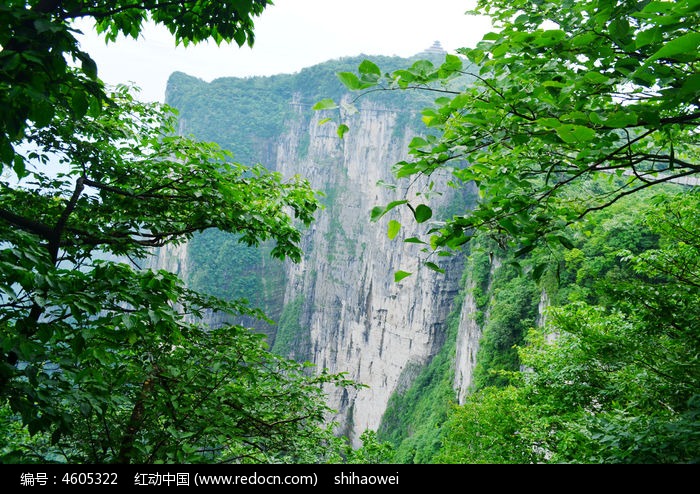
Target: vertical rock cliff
{"points": [[339, 308], [356, 318], [470, 329]]}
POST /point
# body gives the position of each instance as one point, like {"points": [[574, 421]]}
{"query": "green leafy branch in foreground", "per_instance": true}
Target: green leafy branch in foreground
{"points": [[103, 361], [562, 101], [40, 50]]}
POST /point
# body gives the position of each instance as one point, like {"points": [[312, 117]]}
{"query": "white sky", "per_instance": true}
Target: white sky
{"points": [[289, 36]]}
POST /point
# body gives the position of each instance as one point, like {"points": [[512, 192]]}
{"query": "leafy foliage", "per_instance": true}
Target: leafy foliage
{"points": [[562, 94], [102, 360], [113, 362], [371, 452], [609, 379], [40, 50], [513, 307], [487, 429], [154, 186]]}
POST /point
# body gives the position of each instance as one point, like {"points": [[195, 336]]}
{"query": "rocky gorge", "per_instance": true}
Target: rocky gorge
{"points": [[339, 308]]}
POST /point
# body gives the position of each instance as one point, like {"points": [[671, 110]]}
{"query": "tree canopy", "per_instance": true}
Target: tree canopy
{"points": [[40, 50], [103, 359], [576, 120], [613, 374], [567, 107]]}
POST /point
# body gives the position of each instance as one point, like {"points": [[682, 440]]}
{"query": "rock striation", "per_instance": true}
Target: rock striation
{"points": [[339, 308]]}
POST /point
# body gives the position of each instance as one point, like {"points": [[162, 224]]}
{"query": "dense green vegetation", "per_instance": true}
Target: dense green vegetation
{"points": [[512, 308], [612, 376], [101, 360], [573, 118], [577, 116]]}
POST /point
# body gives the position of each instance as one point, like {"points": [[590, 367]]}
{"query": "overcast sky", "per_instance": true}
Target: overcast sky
{"points": [[290, 35]]}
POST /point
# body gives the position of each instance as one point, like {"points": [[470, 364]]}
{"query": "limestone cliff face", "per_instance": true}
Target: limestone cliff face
{"points": [[358, 319], [342, 309]]}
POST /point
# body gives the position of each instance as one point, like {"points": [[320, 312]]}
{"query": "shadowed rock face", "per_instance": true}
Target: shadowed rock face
{"points": [[339, 308]]}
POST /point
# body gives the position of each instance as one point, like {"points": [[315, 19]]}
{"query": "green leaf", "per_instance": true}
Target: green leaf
{"points": [[386, 185], [393, 229], [457, 241], [19, 167], [417, 143], [575, 133], [551, 37], [42, 25], [686, 45], [524, 250], [564, 241], [434, 267], [423, 213], [350, 80], [42, 113], [239, 37], [595, 118], [400, 275], [452, 63], [551, 123], [89, 67], [403, 76], [79, 104], [649, 36], [415, 240], [583, 39], [369, 67], [508, 224], [538, 271], [596, 77], [342, 130], [377, 212], [691, 85], [621, 119], [325, 104], [619, 28]]}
